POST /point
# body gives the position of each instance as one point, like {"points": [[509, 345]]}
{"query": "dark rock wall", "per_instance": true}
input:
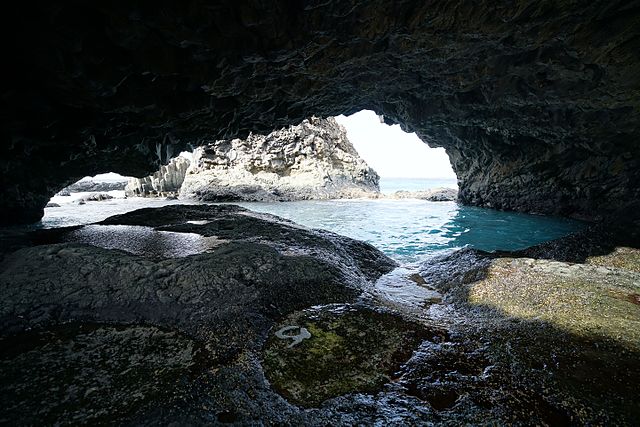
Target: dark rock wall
{"points": [[536, 102]]}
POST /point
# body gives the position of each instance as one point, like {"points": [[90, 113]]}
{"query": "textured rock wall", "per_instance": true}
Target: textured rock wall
{"points": [[165, 182], [312, 160], [536, 101]]}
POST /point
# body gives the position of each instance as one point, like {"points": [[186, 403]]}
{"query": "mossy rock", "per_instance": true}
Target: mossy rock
{"points": [[572, 328], [349, 350]]}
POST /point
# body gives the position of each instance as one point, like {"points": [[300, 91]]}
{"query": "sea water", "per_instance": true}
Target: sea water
{"points": [[407, 230], [391, 185], [412, 230]]}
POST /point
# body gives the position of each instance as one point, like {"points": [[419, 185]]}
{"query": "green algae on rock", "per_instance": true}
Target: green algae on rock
{"points": [[576, 298], [350, 350], [621, 257], [566, 333]]}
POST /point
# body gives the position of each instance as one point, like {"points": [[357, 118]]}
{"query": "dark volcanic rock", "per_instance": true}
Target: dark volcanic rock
{"points": [[345, 350], [558, 327], [103, 335], [257, 267], [536, 102], [273, 323], [93, 373]]}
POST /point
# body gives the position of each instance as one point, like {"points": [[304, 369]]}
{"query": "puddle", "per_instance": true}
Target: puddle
{"points": [[145, 241]]}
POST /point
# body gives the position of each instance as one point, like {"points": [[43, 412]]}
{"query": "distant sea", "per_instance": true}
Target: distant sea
{"points": [[391, 185]]}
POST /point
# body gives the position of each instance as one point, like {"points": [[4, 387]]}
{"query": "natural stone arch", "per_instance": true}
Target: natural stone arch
{"points": [[536, 102]]}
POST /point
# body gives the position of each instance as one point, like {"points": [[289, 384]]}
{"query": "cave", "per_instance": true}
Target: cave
{"points": [[537, 105], [535, 102]]}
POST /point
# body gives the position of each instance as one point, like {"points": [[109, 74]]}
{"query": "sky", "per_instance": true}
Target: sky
{"points": [[394, 153]]}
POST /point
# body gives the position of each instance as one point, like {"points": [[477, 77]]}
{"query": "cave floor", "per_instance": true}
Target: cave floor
{"points": [[274, 323]]}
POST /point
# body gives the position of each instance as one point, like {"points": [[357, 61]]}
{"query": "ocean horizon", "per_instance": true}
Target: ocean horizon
{"points": [[392, 184]]}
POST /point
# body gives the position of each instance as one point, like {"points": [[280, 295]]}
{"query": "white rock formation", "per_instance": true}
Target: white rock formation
{"points": [[164, 183], [313, 160]]}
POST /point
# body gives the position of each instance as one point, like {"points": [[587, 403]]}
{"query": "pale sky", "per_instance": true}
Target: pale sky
{"points": [[394, 153]]}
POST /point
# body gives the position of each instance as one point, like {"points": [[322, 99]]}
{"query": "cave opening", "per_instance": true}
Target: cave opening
{"points": [[402, 160], [354, 175]]}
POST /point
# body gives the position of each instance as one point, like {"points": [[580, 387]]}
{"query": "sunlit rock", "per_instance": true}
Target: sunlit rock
{"points": [[312, 160]]}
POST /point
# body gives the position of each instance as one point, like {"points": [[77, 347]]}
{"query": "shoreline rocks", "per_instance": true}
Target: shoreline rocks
{"points": [[284, 325], [90, 186], [93, 197], [312, 160], [562, 321], [440, 194]]}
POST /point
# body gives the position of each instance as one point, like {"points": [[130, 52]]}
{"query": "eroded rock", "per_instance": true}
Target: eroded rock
{"points": [[93, 197], [432, 195], [94, 373], [89, 185], [164, 183], [312, 160], [561, 335]]}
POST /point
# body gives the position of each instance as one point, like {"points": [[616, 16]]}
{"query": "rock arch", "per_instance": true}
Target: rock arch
{"points": [[536, 102]]}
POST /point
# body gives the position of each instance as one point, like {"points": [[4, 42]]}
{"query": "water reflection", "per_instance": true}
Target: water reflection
{"points": [[140, 240]]}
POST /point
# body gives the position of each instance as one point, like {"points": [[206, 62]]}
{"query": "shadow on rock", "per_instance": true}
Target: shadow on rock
{"points": [[561, 337]]}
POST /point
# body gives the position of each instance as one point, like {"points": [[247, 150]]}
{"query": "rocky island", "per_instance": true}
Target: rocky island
{"points": [[312, 160]]}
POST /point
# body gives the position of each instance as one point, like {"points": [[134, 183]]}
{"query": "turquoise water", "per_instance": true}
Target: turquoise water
{"points": [[407, 230], [391, 185], [411, 230]]}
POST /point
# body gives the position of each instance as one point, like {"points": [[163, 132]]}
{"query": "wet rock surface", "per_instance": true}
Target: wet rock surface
{"points": [[536, 102], [84, 373], [275, 323], [227, 294], [561, 335], [348, 350]]}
